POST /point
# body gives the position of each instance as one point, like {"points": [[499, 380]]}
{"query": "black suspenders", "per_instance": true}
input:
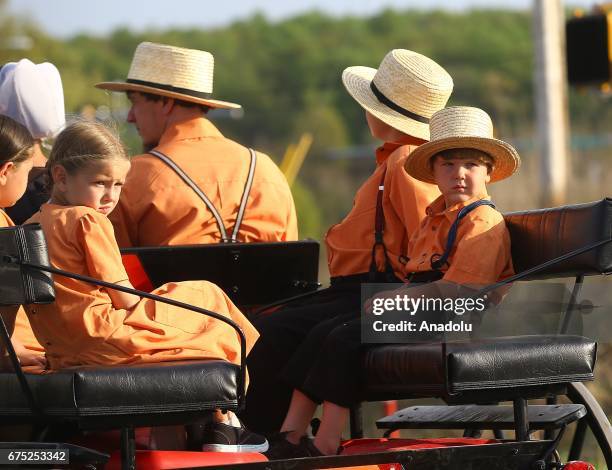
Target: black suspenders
{"points": [[438, 261], [379, 231], [243, 201]]}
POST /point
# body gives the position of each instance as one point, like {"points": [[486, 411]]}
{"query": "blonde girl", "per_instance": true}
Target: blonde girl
{"points": [[94, 325]]}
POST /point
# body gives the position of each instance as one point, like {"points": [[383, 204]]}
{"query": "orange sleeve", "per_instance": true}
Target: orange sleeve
{"points": [[275, 200], [482, 253], [409, 197], [97, 239], [291, 232]]}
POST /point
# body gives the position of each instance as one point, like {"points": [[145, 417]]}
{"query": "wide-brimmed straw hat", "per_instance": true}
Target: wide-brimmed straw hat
{"points": [[462, 127], [175, 72], [404, 92]]}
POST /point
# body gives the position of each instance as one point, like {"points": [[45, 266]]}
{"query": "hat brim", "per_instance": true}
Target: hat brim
{"points": [[124, 86], [357, 82], [506, 159]]}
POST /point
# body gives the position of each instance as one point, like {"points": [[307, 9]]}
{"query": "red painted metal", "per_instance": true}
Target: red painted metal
{"points": [[136, 272], [172, 459], [578, 465]]}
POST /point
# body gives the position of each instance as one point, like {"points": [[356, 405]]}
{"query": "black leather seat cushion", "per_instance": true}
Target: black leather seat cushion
{"points": [[444, 369], [167, 387], [392, 370], [544, 234]]}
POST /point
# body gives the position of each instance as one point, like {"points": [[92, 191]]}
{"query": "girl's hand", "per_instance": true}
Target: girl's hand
{"points": [[123, 300]]}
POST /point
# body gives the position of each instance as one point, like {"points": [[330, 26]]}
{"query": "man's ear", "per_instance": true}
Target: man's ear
{"points": [[4, 170], [167, 105], [59, 174]]}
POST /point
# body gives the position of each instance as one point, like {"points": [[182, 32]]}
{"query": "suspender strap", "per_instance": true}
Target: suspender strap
{"points": [[245, 195], [211, 207], [438, 261], [379, 231], [178, 170]]}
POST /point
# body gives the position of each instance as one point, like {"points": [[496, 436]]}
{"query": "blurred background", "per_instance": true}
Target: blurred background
{"points": [[282, 60]]}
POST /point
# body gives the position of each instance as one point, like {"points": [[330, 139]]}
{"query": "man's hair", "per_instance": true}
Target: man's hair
{"points": [[465, 154], [185, 104]]}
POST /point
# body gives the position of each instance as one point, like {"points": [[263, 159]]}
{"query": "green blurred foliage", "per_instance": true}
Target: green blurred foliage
{"points": [[287, 77], [309, 211]]}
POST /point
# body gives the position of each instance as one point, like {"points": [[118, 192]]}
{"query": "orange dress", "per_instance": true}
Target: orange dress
{"points": [[349, 243], [23, 331], [83, 327], [481, 254], [157, 208]]}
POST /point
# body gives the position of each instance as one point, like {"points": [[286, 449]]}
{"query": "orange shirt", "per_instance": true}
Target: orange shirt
{"points": [[83, 327], [23, 331], [349, 243], [481, 253], [157, 208]]}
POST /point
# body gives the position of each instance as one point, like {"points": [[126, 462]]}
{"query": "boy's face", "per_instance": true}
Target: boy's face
{"points": [[460, 177]]}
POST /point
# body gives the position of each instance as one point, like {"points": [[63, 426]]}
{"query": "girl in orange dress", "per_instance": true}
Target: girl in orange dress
{"points": [[16, 150], [93, 325]]}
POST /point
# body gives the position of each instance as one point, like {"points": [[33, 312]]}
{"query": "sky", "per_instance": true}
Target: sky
{"points": [[64, 18]]}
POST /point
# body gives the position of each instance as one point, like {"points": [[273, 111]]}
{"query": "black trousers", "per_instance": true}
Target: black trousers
{"points": [[327, 365], [274, 370]]}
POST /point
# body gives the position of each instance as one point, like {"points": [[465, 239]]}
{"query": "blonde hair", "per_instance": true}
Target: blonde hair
{"points": [[465, 154], [82, 143]]}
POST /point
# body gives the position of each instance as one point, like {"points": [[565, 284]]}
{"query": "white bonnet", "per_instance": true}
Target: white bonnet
{"points": [[32, 95]]}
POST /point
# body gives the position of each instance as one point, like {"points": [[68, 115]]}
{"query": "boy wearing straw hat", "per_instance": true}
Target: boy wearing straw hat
{"points": [[194, 186], [369, 244], [461, 158]]}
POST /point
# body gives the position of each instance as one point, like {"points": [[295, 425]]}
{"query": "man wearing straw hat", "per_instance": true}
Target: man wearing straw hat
{"points": [[369, 245], [194, 186]]}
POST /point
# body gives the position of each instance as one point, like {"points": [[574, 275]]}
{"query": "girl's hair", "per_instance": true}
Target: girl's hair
{"points": [[16, 142], [466, 154], [82, 143]]}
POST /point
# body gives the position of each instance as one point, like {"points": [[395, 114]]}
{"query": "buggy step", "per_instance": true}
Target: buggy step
{"points": [[480, 417]]}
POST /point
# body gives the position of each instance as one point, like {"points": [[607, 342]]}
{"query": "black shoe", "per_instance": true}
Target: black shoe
{"points": [[281, 448], [219, 437]]}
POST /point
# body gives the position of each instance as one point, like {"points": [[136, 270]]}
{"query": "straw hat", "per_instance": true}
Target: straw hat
{"points": [[404, 92], [175, 72], [463, 127]]}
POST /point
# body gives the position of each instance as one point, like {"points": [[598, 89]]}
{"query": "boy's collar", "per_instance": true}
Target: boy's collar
{"points": [[438, 206], [386, 149]]}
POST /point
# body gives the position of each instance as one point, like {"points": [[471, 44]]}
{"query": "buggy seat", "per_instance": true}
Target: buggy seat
{"points": [[503, 368], [141, 395]]}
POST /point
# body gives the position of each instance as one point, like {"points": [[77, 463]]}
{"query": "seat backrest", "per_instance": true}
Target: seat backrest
{"points": [[249, 273], [19, 284], [541, 235]]}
